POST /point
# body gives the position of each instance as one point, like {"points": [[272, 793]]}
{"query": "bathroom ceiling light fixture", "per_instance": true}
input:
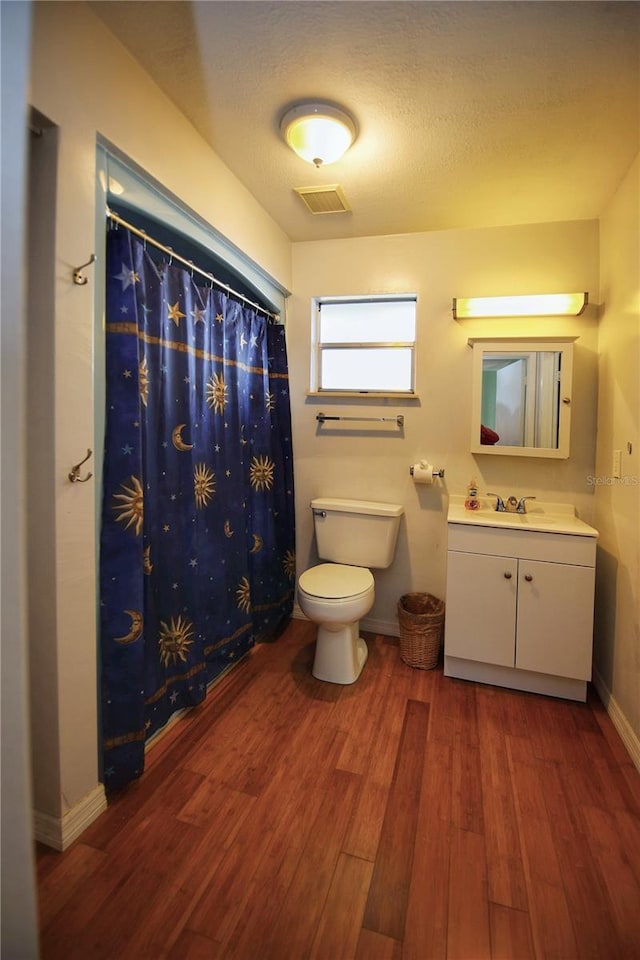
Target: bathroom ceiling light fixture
{"points": [[536, 305], [318, 132]]}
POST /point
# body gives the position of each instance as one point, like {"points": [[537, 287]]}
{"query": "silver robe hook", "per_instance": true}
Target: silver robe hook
{"points": [[77, 276], [74, 473]]}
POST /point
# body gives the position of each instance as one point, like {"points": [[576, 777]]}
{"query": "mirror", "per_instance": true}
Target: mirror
{"points": [[521, 401]]}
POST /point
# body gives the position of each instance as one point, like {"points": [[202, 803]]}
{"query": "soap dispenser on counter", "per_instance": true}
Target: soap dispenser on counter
{"points": [[471, 502]]}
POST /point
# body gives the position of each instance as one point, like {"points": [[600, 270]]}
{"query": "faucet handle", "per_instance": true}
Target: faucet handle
{"points": [[521, 508], [500, 507]]}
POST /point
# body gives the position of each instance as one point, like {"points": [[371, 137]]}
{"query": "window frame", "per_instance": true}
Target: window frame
{"points": [[318, 347]]}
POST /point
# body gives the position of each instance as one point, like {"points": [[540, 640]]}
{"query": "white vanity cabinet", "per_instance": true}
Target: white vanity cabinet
{"points": [[519, 607]]}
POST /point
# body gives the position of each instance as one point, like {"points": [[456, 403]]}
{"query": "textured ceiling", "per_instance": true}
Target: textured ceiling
{"points": [[470, 114]]}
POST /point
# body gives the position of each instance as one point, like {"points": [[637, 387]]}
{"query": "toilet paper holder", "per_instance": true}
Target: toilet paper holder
{"points": [[436, 473]]}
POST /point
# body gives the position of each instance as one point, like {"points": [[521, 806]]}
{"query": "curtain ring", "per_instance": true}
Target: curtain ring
{"points": [[170, 255]]}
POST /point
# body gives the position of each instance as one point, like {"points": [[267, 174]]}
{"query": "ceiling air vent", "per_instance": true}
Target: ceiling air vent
{"points": [[328, 199]]}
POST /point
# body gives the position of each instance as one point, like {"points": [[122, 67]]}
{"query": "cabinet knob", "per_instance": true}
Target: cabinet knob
{"points": [[528, 577], [507, 576]]}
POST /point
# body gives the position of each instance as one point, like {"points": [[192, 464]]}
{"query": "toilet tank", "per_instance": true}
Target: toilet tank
{"points": [[362, 533]]}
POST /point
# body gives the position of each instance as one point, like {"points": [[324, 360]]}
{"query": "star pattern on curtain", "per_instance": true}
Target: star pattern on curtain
{"points": [[198, 534]]}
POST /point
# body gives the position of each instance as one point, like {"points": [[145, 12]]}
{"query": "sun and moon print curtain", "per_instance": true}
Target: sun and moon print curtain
{"points": [[197, 544]]}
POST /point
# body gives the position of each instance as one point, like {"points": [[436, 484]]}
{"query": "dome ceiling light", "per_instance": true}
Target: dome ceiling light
{"points": [[318, 132]]}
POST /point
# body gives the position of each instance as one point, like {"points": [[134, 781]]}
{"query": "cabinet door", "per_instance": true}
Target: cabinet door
{"points": [[480, 611], [555, 618]]}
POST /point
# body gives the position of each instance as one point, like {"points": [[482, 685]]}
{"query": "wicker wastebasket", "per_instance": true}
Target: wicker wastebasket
{"points": [[420, 617]]}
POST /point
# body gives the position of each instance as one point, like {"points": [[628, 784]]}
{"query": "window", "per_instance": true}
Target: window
{"points": [[364, 345]]}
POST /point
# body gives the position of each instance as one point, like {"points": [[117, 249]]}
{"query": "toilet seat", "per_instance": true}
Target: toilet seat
{"points": [[336, 581]]}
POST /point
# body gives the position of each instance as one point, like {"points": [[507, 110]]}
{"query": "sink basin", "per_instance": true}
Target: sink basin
{"points": [[541, 516]]}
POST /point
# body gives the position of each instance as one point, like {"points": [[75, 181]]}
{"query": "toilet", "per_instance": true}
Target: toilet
{"points": [[354, 535]]}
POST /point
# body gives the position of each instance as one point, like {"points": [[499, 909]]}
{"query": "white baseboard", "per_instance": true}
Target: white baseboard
{"points": [[389, 628], [618, 719], [60, 833]]}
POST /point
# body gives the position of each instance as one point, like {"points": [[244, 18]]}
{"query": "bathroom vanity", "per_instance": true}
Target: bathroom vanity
{"points": [[519, 601]]}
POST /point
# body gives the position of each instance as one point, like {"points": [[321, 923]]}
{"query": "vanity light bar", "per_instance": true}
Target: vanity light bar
{"points": [[536, 305]]}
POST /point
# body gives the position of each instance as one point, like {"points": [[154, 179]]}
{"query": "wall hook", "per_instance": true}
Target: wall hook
{"points": [[74, 474], [77, 276]]}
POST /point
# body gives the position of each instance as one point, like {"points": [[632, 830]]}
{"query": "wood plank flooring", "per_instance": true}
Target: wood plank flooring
{"points": [[407, 817]]}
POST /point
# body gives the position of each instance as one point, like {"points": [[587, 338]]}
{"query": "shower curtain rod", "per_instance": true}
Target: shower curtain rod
{"points": [[176, 256]]}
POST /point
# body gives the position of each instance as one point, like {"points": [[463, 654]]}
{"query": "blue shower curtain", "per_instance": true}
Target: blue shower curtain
{"points": [[197, 545]]}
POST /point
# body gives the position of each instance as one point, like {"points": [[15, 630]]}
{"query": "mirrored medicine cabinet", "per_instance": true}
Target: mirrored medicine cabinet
{"points": [[521, 399]]}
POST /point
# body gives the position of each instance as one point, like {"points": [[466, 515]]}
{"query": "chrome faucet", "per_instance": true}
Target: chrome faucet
{"points": [[512, 505]]}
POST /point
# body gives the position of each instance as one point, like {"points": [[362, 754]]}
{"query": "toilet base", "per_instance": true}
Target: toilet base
{"points": [[340, 653]]}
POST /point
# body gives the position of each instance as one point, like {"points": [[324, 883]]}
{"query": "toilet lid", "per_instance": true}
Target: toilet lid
{"points": [[331, 581]]}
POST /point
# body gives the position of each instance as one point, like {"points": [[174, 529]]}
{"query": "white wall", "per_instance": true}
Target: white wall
{"points": [[85, 82], [19, 938], [361, 462], [617, 516]]}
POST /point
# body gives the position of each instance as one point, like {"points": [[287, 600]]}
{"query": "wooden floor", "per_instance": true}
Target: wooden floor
{"points": [[407, 817]]}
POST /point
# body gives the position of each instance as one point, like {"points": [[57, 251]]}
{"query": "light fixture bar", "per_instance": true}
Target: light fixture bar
{"points": [[535, 305]]}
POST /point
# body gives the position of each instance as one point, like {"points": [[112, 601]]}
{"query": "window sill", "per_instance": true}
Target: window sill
{"points": [[362, 395]]}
